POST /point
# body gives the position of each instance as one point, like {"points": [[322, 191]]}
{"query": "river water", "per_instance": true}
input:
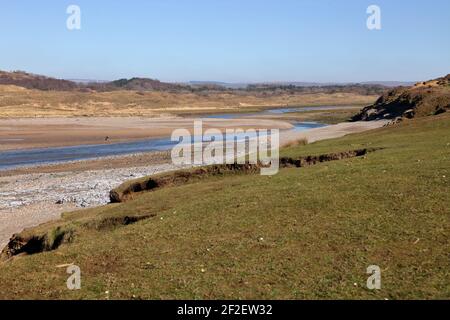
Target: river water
{"points": [[33, 157]]}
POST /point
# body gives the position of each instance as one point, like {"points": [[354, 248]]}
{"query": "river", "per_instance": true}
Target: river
{"points": [[32, 157]]}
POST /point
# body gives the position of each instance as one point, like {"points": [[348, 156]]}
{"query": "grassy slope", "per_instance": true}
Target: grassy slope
{"points": [[321, 227]]}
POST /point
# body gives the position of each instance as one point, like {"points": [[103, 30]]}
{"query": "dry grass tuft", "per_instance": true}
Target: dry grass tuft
{"points": [[298, 142]]}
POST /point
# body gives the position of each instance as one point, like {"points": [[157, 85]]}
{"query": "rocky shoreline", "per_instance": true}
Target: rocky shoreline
{"points": [[84, 189]]}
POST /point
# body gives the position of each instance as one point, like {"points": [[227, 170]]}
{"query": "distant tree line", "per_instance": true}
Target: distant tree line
{"points": [[32, 81]]}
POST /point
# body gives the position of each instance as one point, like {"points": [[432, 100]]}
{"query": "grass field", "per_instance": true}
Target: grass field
{"points": [[301, 234]]}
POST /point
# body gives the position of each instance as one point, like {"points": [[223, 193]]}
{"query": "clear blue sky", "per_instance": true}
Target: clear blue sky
{"points": [[228, 40]]}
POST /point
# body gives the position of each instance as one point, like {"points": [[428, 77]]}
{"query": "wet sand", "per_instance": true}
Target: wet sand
{"points": [[58, 132]]}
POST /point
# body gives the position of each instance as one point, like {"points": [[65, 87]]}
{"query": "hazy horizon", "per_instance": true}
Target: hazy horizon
{"points": [[230, 82]]}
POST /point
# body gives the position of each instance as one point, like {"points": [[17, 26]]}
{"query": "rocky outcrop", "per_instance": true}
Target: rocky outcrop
{"points": [[423, 99]]}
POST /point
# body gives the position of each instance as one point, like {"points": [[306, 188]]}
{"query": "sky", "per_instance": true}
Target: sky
{"points": [[228, 40]]}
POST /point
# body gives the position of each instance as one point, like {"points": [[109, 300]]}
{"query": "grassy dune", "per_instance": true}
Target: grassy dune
{"points": [[303, 233], [20, 102]]}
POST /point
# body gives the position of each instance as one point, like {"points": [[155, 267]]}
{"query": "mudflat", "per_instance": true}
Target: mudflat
{"points": [[25, 133]]}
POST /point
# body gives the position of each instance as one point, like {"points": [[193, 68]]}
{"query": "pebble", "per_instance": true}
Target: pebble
{"points": [[84, 189]]}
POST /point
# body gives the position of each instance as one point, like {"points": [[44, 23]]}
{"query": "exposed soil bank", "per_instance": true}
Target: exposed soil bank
{"points": [[129, 189], [312, 160], [31, 243]]}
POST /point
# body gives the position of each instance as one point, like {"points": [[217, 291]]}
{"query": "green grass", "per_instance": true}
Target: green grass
{"points": [[301, 234]]}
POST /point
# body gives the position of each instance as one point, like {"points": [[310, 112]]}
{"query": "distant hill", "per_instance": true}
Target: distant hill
{"points": [[33, 81], [363, 89], [243, 85], [228, 85], [391, 84], [39, 82], [87, 81], [422, 99], [330, 84], [136, 84]]}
